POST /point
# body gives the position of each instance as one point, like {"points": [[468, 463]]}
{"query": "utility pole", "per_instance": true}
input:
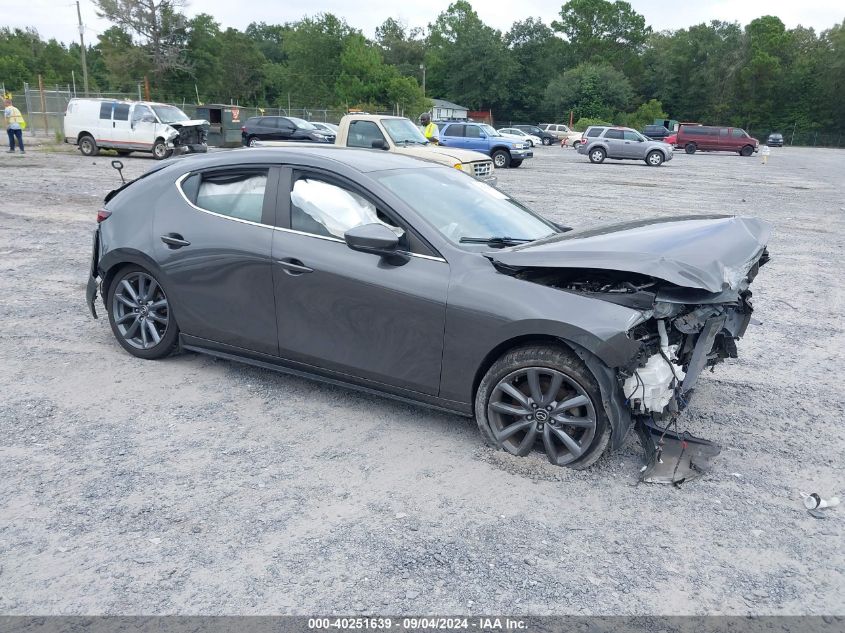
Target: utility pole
{"points": [[422, 68], [82, 49]]}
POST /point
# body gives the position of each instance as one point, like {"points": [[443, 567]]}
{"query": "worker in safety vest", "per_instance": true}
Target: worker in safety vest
{"points": [[432, 134]]}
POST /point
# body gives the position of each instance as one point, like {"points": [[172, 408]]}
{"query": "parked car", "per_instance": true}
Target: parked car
{"points": [[709, 138], [656, 132], [520, 135], [132, 126], [328, 128], [399, 135], [775, 139], [623, 143], [546, 137], [563, 134], [395, 275], [480, 137], [282, 128]]}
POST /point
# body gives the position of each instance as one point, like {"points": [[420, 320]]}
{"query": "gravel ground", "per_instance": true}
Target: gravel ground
{"points": [[198, 486]]}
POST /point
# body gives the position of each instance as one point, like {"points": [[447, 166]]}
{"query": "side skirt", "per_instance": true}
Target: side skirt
{"points": [[227, 352]]}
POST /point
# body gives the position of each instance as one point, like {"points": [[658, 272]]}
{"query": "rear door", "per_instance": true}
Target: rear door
{"points": [[614, 142], [213, 245], [358, 314], [453, 135]]}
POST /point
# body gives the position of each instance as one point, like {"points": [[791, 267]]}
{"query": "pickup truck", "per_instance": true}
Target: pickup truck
{"points": [[400, 136], [505, 152]]}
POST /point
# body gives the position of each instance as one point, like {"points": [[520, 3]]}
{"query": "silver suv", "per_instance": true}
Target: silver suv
{"points": [[622, 143]]}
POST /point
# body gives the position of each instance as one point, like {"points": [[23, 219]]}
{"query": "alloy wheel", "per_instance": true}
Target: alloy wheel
{"points": [[140, 310], [538, 404]]}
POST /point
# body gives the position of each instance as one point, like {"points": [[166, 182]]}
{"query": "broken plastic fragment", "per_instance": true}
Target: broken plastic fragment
{"points": [[671, 457]]}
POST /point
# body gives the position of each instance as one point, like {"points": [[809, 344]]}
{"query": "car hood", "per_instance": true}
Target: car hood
{"points": [[188, 123], [445, 155], [712, 252]]}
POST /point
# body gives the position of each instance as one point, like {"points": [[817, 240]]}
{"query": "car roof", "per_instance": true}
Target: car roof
{"points": [[362, 160]]}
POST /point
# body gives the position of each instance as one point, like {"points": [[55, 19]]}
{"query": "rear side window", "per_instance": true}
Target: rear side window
{"points": [[363, 133], [237, 193], [594, 131], [121, 111], [613, 134], [105, 110], [455, 130]]}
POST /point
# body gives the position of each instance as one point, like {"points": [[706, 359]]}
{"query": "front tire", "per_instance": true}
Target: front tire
{"points": [[597, 155], [501, 158], [746, 151], [160, 151], [654, 159], [140, 315], [88, 146], [547, 141], [543, 398], [515, 163]]}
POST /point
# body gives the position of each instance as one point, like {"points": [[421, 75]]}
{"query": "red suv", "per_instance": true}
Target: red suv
{"points": [[707, 138]]}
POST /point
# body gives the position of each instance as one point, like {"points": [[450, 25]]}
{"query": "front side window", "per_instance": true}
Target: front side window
{"points": [[302, 124], [322, 208], [613, 134], [472, 131], [630, 135], [139, 112], [363, 133], [737, 133], [459, 206], [236, 193]]}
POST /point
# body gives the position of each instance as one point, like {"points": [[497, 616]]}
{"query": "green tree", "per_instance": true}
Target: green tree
{"points": [[539, 55], [468, 61], [590, 90], [402, 48]]}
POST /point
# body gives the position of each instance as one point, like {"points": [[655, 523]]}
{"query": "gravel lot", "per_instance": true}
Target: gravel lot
{"points": [[193, 485]]}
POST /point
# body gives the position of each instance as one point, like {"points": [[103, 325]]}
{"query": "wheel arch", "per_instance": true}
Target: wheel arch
{"points": [[113, 262], [496, 148], [84, 133], [612, 399]]}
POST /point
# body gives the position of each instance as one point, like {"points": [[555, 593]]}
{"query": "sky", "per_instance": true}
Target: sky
{"points": [[57, 18]]}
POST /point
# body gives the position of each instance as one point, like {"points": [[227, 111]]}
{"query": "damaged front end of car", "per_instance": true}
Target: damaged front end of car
{"points": [[185, 137], [695, 302]]}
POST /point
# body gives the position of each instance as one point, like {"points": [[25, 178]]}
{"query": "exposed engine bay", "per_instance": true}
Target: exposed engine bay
{"points": [[682, 332], [189, 136]]}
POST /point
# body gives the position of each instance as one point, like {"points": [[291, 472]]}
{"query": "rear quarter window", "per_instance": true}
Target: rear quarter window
{"points": [[594, 131]]}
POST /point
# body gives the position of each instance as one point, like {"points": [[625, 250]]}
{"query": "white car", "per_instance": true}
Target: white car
{"points": [[521, 136], [328, 128], [132, 126]]}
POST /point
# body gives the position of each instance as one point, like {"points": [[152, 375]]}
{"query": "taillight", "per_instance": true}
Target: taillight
{"points": [[102, 214], [243, 129]]}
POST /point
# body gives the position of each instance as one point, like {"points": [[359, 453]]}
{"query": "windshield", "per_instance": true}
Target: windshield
{"points": [[491, 131], [459, 206], [302, 124], [169, 114], [403, 131]]}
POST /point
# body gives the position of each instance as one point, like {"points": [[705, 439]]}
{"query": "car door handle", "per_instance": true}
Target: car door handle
{"points": [[174, 240], [294, 266]]}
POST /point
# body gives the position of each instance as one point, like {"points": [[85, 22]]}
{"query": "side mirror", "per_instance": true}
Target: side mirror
{"points": [[379, 144], [372, 238]]}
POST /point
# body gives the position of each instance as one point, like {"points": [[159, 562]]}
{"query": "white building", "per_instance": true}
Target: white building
{"points": [[445, 110]]}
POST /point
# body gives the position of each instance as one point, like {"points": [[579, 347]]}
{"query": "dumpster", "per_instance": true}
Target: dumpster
{"points": [[225, 124]]}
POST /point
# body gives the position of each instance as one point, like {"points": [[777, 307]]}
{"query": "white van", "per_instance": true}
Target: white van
{"points": [[132, 126]]}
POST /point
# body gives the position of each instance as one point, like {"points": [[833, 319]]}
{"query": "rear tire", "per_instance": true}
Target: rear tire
{"points": [[597, 155], [501, 158], [251, 141], [140, 315], [690, 148], [576, 145], [746, 151], [654, 158], [540, 379], [88, 146]]}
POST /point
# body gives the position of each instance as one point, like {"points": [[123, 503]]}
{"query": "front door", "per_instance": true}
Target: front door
{"points": [[360, 314], [632, 146], [213, 240], [143, 124]]}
